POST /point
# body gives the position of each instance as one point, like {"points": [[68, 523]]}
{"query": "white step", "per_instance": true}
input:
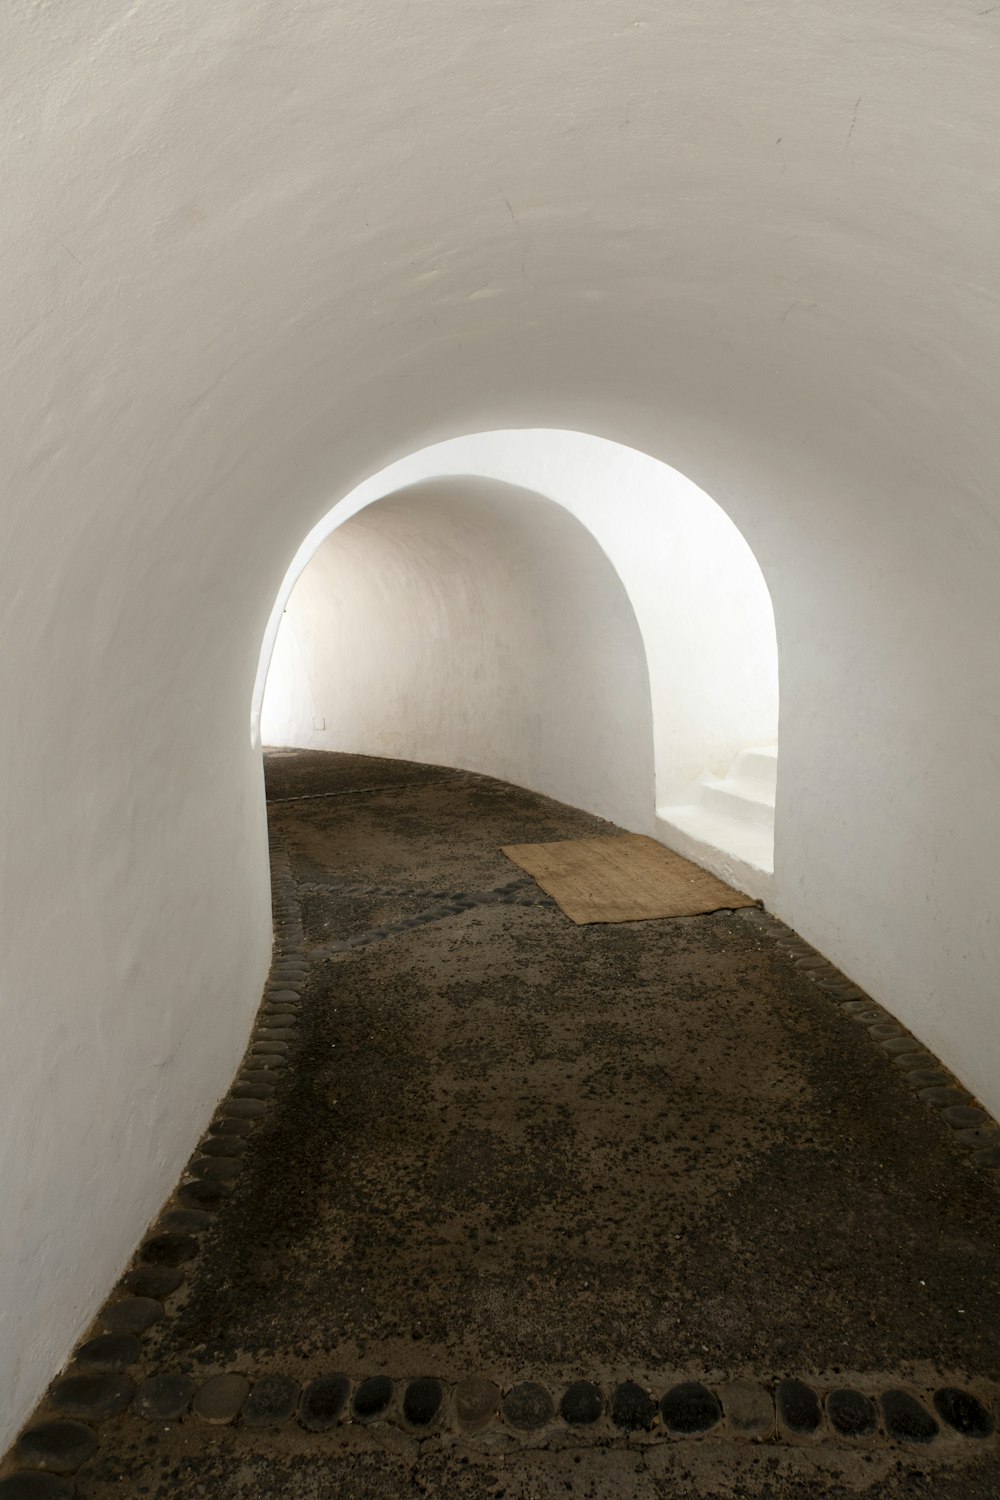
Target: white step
{"points": [[739, 798], [758, 766], [727, 822], [740, 853]]}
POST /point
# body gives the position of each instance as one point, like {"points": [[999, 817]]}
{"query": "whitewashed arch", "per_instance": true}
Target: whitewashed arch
{"points": [[700, 598]]}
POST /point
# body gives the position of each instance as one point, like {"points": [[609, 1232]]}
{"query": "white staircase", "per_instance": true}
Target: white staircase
{"points": [[727, 823]]}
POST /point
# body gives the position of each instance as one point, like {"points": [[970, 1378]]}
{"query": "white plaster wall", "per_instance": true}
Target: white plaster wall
{"points": [[252, 254], [699, 596], [472, 624], [132, 964]]}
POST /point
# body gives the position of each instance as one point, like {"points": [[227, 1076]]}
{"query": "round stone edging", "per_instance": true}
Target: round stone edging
{"points": [[973, 1127], [783, 1411]]}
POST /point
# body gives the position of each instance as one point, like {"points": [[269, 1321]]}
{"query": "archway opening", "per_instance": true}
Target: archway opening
{"points": [[504, 601], [464, 622]]}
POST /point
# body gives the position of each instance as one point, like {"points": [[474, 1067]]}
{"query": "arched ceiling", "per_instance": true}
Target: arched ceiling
{"points": [[275, 248]]}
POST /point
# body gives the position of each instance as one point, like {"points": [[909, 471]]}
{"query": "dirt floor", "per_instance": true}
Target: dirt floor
{"points": [[507, 1146]]}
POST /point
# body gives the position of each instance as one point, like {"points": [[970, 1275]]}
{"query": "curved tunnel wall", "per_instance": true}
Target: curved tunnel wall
{"points": [[256, 254], [471, 624]]}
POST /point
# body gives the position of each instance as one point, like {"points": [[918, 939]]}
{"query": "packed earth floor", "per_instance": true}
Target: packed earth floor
{"points": [[505, 1207]]}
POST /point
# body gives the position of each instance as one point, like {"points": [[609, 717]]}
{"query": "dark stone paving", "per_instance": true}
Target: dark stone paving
{"points": [[503, 1131], [510, 1174]]}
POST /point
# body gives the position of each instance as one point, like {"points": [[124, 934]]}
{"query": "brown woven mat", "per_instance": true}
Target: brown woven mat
{"points": [[624, 878]]}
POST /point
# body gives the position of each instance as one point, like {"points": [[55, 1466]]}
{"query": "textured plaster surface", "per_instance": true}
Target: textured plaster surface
{"points": [[254, 254]]}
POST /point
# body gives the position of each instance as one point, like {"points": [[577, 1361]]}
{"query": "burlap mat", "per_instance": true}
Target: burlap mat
{"points": [[624, 878]]}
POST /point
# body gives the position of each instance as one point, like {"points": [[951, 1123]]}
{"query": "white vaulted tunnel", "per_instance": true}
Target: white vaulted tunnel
{"points": [[551, 608], [561, 369]]}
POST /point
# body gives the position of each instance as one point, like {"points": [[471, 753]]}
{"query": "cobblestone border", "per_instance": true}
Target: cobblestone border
{"points": [[974, 1127], [786, 1411], [96, 1384]]}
